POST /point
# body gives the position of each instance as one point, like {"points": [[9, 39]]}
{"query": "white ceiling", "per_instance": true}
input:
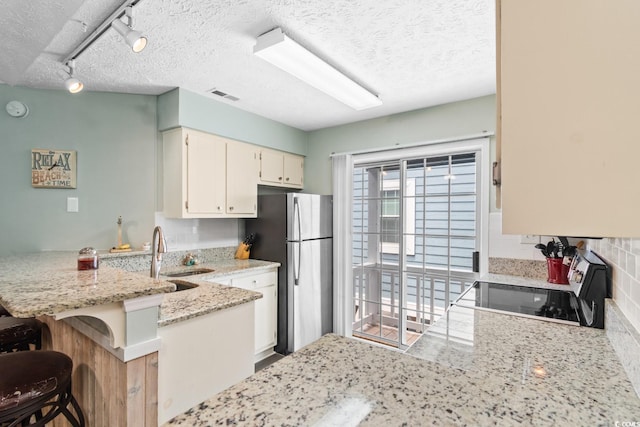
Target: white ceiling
{"points": [[412, 53]]}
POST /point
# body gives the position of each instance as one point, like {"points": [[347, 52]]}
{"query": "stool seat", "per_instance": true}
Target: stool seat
{"points": [[16, 334], [36, 384]]}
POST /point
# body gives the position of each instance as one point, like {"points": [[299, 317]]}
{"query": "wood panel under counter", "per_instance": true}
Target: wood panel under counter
{"points": [[110, 392]]}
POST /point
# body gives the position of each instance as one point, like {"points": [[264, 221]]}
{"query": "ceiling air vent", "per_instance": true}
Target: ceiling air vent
{"points": [[223, 95]]}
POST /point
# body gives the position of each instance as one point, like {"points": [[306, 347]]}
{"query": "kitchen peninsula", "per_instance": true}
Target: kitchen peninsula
{"points": [[490, 369], [118, 326]]}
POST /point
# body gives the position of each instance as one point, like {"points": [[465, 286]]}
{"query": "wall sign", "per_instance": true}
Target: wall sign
{"points": [[53, 168]]}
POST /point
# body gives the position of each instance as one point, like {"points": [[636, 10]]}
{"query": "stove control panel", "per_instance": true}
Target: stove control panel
{"points": [[577, 272], [587, 275]]}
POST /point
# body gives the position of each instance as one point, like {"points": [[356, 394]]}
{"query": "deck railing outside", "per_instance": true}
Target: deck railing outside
{"points": [[429, 292]]}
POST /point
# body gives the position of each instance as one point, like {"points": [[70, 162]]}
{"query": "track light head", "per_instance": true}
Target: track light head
{"points": [[72, 84], [132, 37]]}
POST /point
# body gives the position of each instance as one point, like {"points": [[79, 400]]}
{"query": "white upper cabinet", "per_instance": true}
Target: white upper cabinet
{"points": [[242, 175], [206, 173], [281, 169], [207, 176], [293, 170], [271, 167], [568, 109]]}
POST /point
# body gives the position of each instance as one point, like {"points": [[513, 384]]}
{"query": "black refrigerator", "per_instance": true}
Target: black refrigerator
{"points": [[295, 229]]}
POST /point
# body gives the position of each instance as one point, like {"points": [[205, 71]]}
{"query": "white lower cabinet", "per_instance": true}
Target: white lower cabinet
{"points": [[202, 356], [266, 308], [266, 327]]}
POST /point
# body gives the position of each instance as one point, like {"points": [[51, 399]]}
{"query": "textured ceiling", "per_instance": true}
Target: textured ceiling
{"points": [[412, 53]]}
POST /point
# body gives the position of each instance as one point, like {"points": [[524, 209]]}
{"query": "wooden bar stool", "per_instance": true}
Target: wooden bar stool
{"points": [[35, 387], [16, 334]]}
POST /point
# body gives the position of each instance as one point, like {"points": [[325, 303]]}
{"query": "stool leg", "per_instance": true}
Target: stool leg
{"points": [[69, 398], [79, 422]]}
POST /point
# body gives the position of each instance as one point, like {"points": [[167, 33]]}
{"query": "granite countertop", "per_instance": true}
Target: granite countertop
{"points": [[46, 283], [473, 367], [208, 297], [222, 268], [342, 381], [522, 281]]}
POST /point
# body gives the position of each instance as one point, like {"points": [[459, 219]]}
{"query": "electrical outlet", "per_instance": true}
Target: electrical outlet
{"points": [[529, 239]]}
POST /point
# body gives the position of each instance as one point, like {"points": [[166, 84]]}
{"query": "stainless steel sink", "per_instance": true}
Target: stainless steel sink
{"points": [[190, 272], [181, 285]]}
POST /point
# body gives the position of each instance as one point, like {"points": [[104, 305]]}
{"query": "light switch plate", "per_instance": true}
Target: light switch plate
{"points": [[72, 204]]}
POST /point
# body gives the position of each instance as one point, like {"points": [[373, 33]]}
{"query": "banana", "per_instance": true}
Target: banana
{"points": [[125, 246]]}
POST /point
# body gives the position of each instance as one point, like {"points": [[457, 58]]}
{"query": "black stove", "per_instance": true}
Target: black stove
{"points": [[582, 303], [550, 304]]}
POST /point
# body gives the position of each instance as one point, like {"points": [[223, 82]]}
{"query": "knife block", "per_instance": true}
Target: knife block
{"points": [[243, 251]]}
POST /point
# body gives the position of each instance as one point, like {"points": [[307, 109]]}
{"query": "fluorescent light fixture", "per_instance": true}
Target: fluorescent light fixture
{"points": [[72, 84], [278, 49]]}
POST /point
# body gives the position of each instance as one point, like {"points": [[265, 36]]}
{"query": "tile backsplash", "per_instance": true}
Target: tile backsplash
{"points": [[189, 234], [623, 255]]}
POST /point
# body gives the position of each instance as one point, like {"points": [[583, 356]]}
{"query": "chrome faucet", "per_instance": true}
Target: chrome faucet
{"points": [[157, 249]]}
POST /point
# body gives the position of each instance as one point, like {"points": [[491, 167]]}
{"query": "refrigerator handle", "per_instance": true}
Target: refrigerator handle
{"points": [[296, 219], [296, 261]]}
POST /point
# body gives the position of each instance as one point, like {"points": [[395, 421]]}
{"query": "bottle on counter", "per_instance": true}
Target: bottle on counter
{"points": [[88, 259]]}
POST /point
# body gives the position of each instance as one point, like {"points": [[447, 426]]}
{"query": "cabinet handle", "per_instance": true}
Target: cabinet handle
{"points": [[230, 208], [218, 207], [279, 178], [287, 179]]}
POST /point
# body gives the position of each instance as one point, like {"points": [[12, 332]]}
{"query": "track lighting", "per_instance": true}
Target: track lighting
{"points": [[72, 84], [133, 38]]}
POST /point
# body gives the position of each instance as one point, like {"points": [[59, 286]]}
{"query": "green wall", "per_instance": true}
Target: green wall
{"points": [[180, 107], [115, 138], [442, 122], [119, 157]]}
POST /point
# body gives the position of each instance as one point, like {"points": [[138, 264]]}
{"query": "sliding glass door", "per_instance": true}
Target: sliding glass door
{"points": [[414, 234]]}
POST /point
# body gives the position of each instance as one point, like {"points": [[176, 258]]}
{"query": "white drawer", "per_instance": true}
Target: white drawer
{"points": [[255, 281]]}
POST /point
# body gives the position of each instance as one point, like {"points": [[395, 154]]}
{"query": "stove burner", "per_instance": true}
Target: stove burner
{"points": [[552, 312], [537, 302]]}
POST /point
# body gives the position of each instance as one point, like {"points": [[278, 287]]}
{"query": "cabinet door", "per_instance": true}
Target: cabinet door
{"points": [[266, 308], [293, 170], [568, 98], [206, 173], [271, 165], [266, 318], [242, 179]]}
